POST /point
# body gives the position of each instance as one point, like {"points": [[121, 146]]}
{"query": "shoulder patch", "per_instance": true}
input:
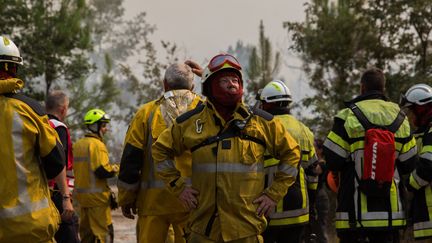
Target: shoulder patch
{"points": [[183, 117], [264, 114], [35, 105]]}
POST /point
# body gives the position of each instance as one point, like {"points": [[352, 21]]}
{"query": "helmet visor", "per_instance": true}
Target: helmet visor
{"points": [[220, 60], [105, 118]]}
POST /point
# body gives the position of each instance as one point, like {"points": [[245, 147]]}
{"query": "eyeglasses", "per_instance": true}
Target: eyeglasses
{"points": [[220, 60]]}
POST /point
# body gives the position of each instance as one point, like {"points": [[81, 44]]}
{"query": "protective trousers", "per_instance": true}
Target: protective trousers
{"points": [[154, 228], [96, 225], [217, 234]]}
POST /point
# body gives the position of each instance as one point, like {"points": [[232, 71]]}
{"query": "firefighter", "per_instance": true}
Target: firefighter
{"points": [[92, 169], [227, 139], [139, 186], [417, 102], [292, 212], [30, 153], [57, 104], [366, 210]]}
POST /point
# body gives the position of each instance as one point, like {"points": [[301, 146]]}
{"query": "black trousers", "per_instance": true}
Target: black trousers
{"points": [[370, 236], [68, 230], [282, 234]]}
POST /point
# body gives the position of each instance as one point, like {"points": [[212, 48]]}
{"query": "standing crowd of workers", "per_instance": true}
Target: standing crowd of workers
{"points": [[212, 169]]}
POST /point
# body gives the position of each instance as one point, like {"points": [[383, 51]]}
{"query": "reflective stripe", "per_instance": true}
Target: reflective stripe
{"points": [[228, 167], [288, 169], [167, 164], [336, 148], [271, 170], [88, 190], [152, 184], [24, 209], [127, 186], [427, 155], [372, 215], [311, 161], [92, 179], [418, 179], [289, 213], [423, 225], [410, 153], [24, 203]]}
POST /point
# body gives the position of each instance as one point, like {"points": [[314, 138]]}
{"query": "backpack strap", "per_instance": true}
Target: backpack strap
{"points": [[397, 122], [368, 125], [361, 117]]}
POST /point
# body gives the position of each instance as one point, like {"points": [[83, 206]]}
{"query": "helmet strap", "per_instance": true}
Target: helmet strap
{"points": [[94, 128]]}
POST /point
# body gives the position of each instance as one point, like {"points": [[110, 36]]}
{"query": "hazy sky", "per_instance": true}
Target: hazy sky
{"points": [[204, 28]]}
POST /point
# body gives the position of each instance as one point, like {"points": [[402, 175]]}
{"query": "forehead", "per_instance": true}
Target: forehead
{"points": [[228, 77]]}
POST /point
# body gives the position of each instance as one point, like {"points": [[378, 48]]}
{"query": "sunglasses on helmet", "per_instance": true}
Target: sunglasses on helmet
{"points": [[220, 60]]}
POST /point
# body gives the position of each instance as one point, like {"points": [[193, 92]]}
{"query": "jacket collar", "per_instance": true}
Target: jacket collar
{"points": [[370, 95], [10, 85], [93, 135], [241, 112]]}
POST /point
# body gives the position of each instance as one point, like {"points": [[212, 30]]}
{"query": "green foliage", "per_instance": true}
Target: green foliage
{"points": [[340, 39]]}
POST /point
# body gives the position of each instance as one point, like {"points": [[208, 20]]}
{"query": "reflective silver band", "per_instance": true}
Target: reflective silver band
{"points": [[288, 169], [427, 155], [423, 225], [228, 167], [22, 209], [372, 215], [419, 180], [165, 165], [130, 187], [410, 153], [152, 184], [336, 148]]}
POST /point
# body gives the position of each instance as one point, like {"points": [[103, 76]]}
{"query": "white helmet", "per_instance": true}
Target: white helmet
{"points": [[9, 51], [275, 91], [419, 94]]}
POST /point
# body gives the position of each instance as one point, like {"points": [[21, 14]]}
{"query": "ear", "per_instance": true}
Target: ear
{"points": [[166, 86]]}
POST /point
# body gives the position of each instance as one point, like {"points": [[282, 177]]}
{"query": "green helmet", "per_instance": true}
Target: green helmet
{"points": [[96, 115]]}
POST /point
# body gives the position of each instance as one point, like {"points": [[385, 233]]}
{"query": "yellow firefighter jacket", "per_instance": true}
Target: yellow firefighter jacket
{"points": [[228, 172], [30, 151], [92, 169], [293, 209], [138, 181]]}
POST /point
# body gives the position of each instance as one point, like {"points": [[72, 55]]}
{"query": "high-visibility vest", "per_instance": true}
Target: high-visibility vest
{"points": [[69, 168], [343, 150], [293, 209]]}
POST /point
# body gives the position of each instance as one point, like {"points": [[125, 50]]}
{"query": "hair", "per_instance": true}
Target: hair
{"points": [[55, 100], [179, 76], [373, 79]]}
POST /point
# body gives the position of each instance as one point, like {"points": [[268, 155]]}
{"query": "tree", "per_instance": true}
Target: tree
{"points": [[340, 39], [262, 66]]}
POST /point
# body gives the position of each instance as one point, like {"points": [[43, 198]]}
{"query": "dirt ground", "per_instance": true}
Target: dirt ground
{"points": [[124, 228]]}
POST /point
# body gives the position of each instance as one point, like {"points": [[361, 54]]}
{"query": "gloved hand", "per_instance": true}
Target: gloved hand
{"points": [[129, 210]]}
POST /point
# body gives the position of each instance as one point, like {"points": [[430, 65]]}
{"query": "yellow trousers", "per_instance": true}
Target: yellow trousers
{"points": [[95, 224], [155, 229], [217, 234]]}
